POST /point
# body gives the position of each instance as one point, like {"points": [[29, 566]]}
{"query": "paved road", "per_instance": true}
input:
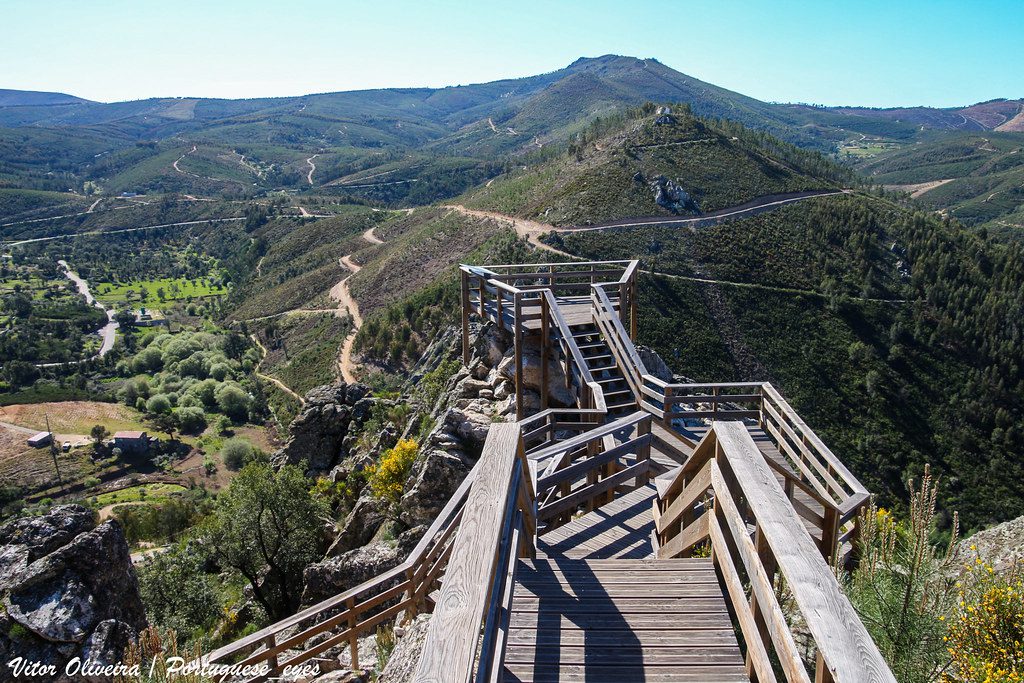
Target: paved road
{"points": [[118, 231], [108, 330], [108, 333], [751, 208]]}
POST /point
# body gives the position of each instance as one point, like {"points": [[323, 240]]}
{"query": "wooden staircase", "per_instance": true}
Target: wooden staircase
{"points": [[619, 398], [653, 532]]}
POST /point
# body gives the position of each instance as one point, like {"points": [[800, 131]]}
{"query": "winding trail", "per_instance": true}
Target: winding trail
{"points": [[273, 380], [526, 229], [91, 233], [176, 161], [343, 295], [531, 231], [371, 237], [312, 167]]}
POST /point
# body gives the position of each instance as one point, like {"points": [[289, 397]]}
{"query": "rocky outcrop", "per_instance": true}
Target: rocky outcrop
{"points": [[1000, 546], [671, 195], [318, 435], [69, 589], [654, 363], [335, 575], [406, 655]]}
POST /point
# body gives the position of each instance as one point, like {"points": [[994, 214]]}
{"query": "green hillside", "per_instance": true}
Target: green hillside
{"points": [[893, 334], [979, 177], [612, 171]]}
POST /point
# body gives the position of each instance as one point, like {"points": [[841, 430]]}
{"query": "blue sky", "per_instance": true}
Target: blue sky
{"points": [[898, 52]]}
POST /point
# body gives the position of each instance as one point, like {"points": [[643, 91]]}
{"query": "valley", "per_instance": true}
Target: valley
{"points": [[228, 307]]}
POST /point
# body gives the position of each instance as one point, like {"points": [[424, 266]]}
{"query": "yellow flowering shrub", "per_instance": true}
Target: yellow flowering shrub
{"points": [[387, 477], [986, 632]]}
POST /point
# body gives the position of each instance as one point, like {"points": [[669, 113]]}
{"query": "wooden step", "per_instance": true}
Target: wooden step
{"points": [[602, 368]]}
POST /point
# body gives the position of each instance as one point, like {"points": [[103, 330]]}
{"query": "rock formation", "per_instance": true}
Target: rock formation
{"points": [[671, 195], [1000, 546], [69, 590], [317, 436]]}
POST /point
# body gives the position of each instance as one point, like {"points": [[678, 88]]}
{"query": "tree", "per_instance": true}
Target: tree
{"points": [[267, 527], [191, 419], [125, 318], [165, 423], [20, 373], [19, 304], [158, 403], [98, 433], [177, 592], [233, 402]]}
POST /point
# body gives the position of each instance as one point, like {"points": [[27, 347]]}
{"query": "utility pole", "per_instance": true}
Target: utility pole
{"points": [[53, 452]]}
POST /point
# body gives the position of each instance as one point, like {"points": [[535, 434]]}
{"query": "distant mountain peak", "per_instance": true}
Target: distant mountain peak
{"points": [[34, 98]]}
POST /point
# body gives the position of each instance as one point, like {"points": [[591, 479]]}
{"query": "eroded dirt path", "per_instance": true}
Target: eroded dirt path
{"points": [[312, 167], [178, 160], [346, 303], [371, 237], [273, 380], [918, 189], [526, 229]]}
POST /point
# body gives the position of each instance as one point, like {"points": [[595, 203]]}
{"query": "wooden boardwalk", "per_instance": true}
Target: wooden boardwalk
{"points": [[620, 621], [592, 606]]}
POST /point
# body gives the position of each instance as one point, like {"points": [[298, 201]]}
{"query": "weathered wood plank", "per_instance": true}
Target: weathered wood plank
{"points": [[450, 645], [840, 635]]}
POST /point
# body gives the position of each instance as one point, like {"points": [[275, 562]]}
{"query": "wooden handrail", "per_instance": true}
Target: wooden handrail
{"points": [[406, 585], [745, 492], [497, 517]]}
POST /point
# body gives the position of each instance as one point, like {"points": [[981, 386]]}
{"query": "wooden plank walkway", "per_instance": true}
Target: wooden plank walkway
{"points": [[619, 530], [620, 621]]}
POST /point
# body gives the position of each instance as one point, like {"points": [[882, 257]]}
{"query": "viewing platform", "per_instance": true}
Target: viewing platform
{"points": [[654, 531]]}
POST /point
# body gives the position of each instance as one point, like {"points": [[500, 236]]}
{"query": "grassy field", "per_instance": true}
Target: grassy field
{"points": [[73, 417], [173, 289], [150, 493]]}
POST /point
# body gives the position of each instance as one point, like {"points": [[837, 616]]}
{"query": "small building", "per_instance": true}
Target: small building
{"points": [[148, 318], [41, 439], [133, 442]]}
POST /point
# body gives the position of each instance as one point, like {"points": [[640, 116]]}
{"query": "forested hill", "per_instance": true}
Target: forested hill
{"points": [[658, 161], [897, 335]]}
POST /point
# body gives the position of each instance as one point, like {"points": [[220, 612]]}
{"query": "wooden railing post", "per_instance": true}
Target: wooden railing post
{"points": [[518, 341], [410, 595], [632, 307], [666, 417], [353, 637], [465, 318], [544, 350], [623, 311], [643, 428], [270, 641], [821, 671], [829, 533], [483, 293]]}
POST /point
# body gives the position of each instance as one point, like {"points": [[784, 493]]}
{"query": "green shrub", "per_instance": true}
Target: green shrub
{"points": [[191, 419], [157, 404], [904, 583], [236, 453], [233, 402]]}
